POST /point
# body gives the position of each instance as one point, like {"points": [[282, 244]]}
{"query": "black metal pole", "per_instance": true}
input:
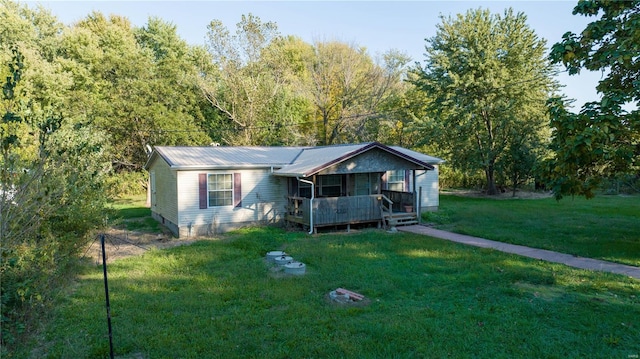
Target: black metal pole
{"points": [[106, 293]]}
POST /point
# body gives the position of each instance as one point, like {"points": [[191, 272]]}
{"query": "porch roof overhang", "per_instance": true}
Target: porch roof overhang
{"points": [[312, 161]]}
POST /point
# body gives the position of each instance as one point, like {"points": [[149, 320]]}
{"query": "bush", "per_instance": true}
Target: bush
{"points": [[127, 184], [454, 178], [624, 184]]}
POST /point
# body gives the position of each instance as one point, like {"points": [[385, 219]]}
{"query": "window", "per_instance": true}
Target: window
{"points": [[330, 186], [220, 189], [305, 189], [395, 180]]}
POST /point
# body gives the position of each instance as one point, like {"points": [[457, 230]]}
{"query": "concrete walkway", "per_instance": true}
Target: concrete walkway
{"points": [[542, 254]]}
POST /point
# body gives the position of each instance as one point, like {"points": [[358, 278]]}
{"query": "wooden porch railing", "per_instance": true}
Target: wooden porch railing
{"points": [[336, 210], [401, 200]]}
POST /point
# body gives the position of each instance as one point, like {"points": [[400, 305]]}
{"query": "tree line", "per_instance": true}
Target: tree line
{"points": [[82, 102]]}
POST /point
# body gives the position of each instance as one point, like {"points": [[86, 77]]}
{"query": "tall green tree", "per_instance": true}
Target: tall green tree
{"points": [[603, 139], [287, 58], [489, 78], [248, 92], [51, 168], [348, 90], [177, 69], [133, 84], [402, 108]]}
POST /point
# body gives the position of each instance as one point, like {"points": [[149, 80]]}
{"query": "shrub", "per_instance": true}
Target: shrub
{"points": [[127, 184]]}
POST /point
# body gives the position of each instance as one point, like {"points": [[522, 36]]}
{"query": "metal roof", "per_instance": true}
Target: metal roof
{"points": [[287, 161], [226, 157], [311, 160], [420, 156]]}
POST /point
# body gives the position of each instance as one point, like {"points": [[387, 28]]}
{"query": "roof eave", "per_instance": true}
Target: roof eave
{"points": [[290, 174], [223, 167], [369, 146]]}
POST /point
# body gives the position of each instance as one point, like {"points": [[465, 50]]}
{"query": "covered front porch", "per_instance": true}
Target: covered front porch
{"points": [[353, 185], [387, 208]]}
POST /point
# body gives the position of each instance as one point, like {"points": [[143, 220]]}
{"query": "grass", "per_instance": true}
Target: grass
{"points": [[132, 214], [605, 227], [428, 298]]}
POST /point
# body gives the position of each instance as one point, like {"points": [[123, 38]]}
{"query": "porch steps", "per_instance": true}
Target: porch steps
{"points": [[401, 219]]}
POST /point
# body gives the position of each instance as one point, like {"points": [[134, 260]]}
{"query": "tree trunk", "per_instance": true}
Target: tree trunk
{"points": [[491, 181]]}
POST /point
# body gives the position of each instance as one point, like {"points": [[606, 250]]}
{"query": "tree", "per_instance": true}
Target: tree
{"points": [[287, 58], [52, 168], [489, 78], [136, 84], [403, 109], [51, 189], [177, 70], [603, 139], [244, 88], [348, 89]]}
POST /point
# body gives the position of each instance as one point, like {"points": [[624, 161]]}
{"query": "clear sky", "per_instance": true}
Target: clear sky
{"points": [[377, 25]]}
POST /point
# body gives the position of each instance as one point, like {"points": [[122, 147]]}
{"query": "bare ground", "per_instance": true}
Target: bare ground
{"points": [[120, 243], [503, 195]]}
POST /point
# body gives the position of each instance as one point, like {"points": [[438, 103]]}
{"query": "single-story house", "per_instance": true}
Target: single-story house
{"points": [[201, 191]]}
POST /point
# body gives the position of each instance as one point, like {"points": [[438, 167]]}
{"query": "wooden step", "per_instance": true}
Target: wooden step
{"points": [[395, 223], [401, 219]]}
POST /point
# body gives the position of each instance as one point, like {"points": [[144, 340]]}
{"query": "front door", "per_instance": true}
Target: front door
{"points": [[152, 189]]}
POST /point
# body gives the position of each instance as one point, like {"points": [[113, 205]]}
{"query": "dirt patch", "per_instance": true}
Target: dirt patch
{"points": [[502, 195], [121, 243]]}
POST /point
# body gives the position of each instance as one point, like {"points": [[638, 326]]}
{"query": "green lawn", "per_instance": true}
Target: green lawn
{"points": [[428, 299], [605, 227], [132, 214]]}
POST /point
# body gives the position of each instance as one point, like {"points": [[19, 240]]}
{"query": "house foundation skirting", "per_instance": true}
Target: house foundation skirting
{"points": [[213, 229], [165, 222]]}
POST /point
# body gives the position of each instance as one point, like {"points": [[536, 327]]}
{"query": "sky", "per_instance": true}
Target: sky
{"points": [[378, 26]]}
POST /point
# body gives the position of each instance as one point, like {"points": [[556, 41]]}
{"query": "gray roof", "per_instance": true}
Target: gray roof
{"points": [[226, 157], [316, 157], [420, 156], [286, 161]]}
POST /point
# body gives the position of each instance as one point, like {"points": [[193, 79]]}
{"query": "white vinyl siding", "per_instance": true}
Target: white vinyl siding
{"points": [[427, 183], [164, 196], [263, 201]]}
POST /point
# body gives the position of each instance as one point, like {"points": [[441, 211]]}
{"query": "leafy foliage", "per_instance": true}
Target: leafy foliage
{"points": [[603, 139], [247, 89], [489, 80], [349, 90], [51, 173], [140, 90]]}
